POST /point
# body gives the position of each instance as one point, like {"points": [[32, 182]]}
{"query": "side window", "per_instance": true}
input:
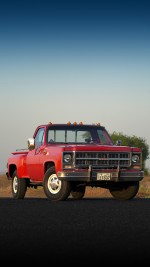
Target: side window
{"points": [[104, 138], [39, 138]]}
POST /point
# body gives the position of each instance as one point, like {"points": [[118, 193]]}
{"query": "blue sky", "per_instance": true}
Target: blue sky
{"points": [[73, 61]]}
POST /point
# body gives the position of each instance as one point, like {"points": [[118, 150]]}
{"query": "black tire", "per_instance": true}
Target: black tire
{"points": [[19, 186], [78, 192], [54, 188], [126, 191]]}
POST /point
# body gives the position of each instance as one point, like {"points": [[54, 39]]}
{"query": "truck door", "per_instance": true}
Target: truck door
{"points": [[34, 163]]}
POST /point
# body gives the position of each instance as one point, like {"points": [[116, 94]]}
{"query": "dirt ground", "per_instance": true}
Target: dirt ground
{"points": [[5, 190]]}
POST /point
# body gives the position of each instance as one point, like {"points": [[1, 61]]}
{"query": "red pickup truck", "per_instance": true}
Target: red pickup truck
{"points": [[65, 158]]}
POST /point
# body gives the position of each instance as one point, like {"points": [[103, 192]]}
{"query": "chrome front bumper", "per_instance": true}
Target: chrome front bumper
{"points": [[92, 175]]}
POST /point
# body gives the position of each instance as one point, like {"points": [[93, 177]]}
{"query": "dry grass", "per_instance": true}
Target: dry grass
{"points": [[5, 190]]}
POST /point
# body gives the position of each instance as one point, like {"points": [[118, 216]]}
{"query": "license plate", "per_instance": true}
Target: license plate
{"points": [[103, 176]]}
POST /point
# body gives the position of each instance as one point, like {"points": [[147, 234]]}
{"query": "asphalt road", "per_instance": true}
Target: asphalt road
{"points": [[83, 231]]}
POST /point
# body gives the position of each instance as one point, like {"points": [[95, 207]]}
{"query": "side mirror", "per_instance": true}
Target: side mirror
{"points": [[118, 142], [31, 143]]}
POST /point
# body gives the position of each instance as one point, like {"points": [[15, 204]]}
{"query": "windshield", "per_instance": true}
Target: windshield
{"points": [[78, 135]]}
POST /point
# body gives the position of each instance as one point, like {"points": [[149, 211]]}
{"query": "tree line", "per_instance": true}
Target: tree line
{"points": [[133, 141]]}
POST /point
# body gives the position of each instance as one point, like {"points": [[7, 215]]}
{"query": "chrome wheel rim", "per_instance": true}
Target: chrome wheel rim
{"points": [[15, 184], [54, 184]]}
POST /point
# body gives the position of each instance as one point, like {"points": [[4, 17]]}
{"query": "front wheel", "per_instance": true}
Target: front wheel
{"points": [[125, 191], [19, 186], [54, 188]]}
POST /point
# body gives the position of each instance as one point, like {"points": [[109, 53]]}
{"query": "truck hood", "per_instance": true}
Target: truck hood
{"points": [[97, 147]]}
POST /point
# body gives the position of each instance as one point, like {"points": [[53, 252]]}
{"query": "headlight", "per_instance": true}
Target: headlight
{"points": [[67, 158], [135, 158]]}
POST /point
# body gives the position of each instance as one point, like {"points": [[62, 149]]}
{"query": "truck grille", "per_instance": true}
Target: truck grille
{"points": [[102, 159]]}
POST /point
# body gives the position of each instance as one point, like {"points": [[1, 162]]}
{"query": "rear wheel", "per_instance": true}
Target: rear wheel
{"points": [[126, 191], [19, 186], [54, 188], [78, 191]]}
